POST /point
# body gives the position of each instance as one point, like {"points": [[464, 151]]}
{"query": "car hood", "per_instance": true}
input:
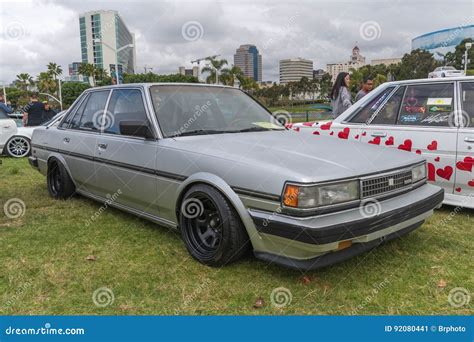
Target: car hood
{"points": [[288, 155]]}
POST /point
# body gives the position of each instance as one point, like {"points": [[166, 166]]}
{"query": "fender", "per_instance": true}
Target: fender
{"points": [[61, 159], [226, 190]]}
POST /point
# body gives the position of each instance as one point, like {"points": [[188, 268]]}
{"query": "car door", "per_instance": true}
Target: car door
{"points": [[79, 140], [418, 118], [8, 128], [126, 164], [465, 144]]}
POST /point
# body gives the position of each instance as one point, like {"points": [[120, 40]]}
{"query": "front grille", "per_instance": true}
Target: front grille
{"points": [[377, 186]]}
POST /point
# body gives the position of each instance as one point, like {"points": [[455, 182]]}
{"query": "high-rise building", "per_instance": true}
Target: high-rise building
{"points": [[292, 70], [249, 61], [355, 62], [74, 75], [103, 33]]}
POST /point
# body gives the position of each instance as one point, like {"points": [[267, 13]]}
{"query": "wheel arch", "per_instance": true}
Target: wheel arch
{"points": [[60, 159], [225, 189]]}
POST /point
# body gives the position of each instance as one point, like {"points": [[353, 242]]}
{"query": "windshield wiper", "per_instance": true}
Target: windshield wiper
{"points": [[197, 132]]}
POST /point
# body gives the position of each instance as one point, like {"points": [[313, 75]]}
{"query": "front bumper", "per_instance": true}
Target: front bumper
{"points": [[314, 242]]}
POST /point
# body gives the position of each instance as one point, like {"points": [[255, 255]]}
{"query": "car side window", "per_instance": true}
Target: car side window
{"points": [[388, 114], [72, 112], [427, 105], [74, 120], [93, 111], [124, 105], [365, 113], [467, 103]]}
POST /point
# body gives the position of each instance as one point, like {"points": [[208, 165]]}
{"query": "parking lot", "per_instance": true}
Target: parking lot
{"points": [[55, 254]]}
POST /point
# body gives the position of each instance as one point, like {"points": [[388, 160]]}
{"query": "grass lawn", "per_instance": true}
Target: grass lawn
{"points": [[44, 266]]}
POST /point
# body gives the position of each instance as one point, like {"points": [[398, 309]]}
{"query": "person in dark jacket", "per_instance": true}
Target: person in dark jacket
{"points": [[33, 112], [48, 112], [340, 95]]}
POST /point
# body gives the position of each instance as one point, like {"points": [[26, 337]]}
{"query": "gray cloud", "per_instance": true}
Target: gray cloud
{"points": [[324, 31]]}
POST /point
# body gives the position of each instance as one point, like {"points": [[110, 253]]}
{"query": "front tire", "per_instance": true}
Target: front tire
{"points": [[60, 184], [18, 147], [211, 228]]}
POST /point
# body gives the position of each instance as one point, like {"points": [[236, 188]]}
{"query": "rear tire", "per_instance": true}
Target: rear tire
{"points": [[211, 228], [60, 184]]}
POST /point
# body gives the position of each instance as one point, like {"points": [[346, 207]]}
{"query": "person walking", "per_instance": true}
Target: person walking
{"points": [[367, 86], [33, 112], [5, 108], [340, 94]]}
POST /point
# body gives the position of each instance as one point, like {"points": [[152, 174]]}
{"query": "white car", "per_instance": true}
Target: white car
{"points": [[431, 117], [16, 141], [446, 71]]}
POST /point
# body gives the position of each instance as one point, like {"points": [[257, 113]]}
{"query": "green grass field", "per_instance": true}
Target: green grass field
{"points": [[45, 268]]}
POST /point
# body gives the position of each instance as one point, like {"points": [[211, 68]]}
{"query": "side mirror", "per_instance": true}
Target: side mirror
{"points": [[136, 129]]}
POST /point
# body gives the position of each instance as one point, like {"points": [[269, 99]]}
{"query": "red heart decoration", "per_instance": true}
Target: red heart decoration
{"points": [[289, 125], [344, 134], [433, 146], [357, 136], [332, 133], [418, 151], [437, 159], [326, 126], [445, 173], [316, 133], [431, 172], [375, 141], [406, 146], [296, 129], [471, 183], [466, 164], [458, 189], [309, 124], [389, 141], [364, 134]]}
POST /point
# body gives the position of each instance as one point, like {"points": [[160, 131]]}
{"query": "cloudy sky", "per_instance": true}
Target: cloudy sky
{"points": [[172, 33]]}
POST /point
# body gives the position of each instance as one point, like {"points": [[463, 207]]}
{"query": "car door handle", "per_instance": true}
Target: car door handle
{"points": [[379, 134], [469, 140], [66, 140], [102, 146]]}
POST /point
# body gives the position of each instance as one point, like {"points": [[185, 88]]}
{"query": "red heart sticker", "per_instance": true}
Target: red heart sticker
{"points": [[332, 133], [344, 134], [433, 146], [445, 173], [309, 124], [431, 172], [364, 134], [437, 159], [316, 133], [389, 141], [357, 136], [471, 183], [296, 129], [418, 151], [326, 126], [375, 141], [458, 189], [466, 164], [406, 146]]}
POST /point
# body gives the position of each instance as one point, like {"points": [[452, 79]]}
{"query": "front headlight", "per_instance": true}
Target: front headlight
{"points": [[418, 173], [305, 197]]}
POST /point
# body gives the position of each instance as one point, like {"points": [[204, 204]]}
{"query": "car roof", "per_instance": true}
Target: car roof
{"points": [[431, 80], [147, 85]]}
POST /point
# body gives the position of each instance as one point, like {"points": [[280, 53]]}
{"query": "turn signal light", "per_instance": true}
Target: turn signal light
{"points": [[344, 244], [290, 197]]}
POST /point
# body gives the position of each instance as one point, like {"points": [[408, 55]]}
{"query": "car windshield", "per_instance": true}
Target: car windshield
{"points": [[195, 110]]}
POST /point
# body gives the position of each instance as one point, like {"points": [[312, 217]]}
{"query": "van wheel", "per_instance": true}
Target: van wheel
{"points": [[60, 185], [211, 228]]}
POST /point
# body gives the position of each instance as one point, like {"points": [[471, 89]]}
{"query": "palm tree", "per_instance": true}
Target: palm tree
{"points": [[229, 75], [216, 66], [54, 70], [46, 83], [88, 70], [24, 80]]}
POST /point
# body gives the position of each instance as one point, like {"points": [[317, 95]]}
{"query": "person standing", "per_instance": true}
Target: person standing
{"points": [[340, 95], [33, 112], [48, 112], [5, 108], [367, 86]]}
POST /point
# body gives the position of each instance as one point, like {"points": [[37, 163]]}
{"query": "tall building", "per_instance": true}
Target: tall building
{"points": [[103, 33], [74, 75], [189, 72], [293, 69], [356, 60], [386, 61], [249, 61], [443, 41]]}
